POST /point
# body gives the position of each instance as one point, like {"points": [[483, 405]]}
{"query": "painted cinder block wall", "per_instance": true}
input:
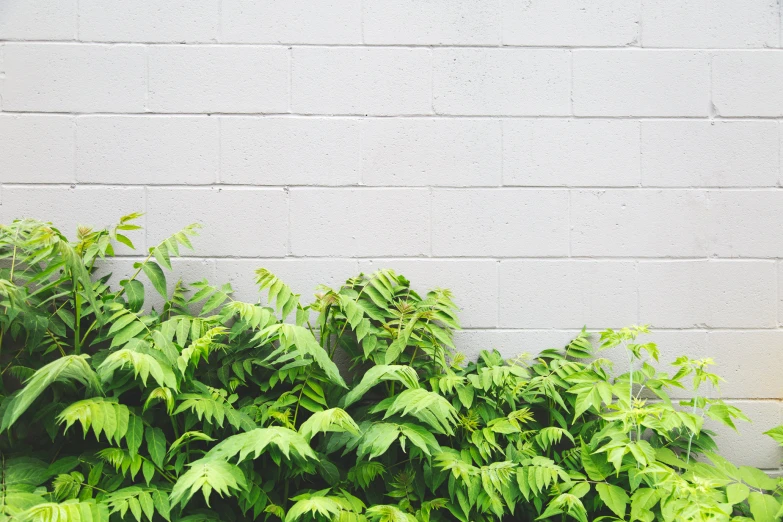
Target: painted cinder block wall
{"points": [[556, 162]]}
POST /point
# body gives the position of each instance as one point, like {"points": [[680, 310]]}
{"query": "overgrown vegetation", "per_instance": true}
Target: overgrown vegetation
{"points": [[214, 409]]}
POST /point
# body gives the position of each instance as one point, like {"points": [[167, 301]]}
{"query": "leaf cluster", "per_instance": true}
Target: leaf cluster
{"points": [[210, 408]]}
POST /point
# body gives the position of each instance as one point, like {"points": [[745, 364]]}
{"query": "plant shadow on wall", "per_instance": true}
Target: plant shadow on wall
{"points": [[216, 409]]}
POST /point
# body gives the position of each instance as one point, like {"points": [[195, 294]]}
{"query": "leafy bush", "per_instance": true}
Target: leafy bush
{"points": [[214, 409]]}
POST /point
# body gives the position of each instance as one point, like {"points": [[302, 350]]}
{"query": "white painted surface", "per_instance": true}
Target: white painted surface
{"points": [[555, 162]]}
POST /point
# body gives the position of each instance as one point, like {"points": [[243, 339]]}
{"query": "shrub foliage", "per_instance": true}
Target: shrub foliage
{"points": [[200, 407]]}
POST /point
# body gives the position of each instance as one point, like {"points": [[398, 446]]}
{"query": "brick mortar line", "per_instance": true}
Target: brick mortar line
{"points": [[362, 116], [308, 187], [499, 259], [653, 329], [210, 43]]}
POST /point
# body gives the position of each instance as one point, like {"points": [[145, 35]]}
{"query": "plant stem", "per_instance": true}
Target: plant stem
{"points": [[94, 487], [299, 399], [77, 342], [690, 439], [175, 427], [13, 259], [163, 474], [136, 273], [59, 346], [630, 373], [630, 385], [84, 337]]}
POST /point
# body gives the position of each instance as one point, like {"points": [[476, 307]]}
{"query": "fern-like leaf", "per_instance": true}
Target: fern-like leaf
{"points": [[68, 511], [187, 437], [451, 460], [365, 472], [207, 475], [382, 372], [212, 296], [104, 415], [124, 463], [200, 348], [161, 394], [250, 315], [279, 293], [213, 408], [67, 485], [68, 368], [140, 501], [535, 475], [386, 513], [332, 420], [144, 365], [313, 504], [287, 442], [549, 436], [381, 435], [299, 341], [19, 478], [170, 246], [430, 407]]}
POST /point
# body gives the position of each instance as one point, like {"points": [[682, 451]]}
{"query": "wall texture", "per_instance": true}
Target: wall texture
{"points": [[555, 162]]}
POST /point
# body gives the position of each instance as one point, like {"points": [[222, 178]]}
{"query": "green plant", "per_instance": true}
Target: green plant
{"points": [[216, 409]]}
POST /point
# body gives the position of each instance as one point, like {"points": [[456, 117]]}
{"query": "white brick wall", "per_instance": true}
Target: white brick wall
{"points": [[555, 162]]}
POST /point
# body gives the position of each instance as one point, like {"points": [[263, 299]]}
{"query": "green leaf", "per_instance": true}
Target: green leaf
{"points": [[128, 332], [776, 433], [161, 502], [300, 338], [161, 253], [763, 507], [104, 415], [596, 466], [95, 474], [466, 394], [379, 373], [756, 478], [207, 475], [427, 406], [386, 513], [258, 441], [580, 490], [68, 368], [134, 291], [401, 342], [311, 507], [377, 440], [332, 420], [642, 501], [279, 293], [614, 497], [737, 492], [134, 435], [125, 240], [156, 276], [148, 471], [71, 510], [215, 300], [143, 364], [156, 445]]}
